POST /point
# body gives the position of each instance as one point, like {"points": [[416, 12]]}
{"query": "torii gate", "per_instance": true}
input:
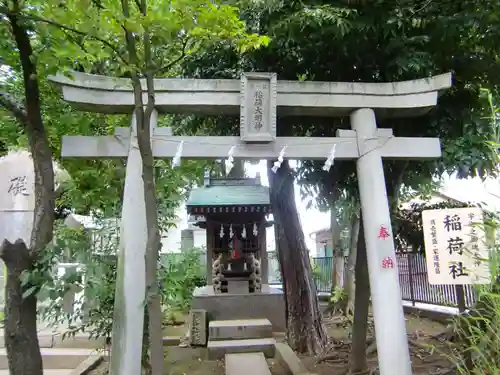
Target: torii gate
{"points": [[259, 98]]}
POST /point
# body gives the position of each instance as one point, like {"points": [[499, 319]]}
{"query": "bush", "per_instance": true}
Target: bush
{"points": [[179, 275], [95, 276]]}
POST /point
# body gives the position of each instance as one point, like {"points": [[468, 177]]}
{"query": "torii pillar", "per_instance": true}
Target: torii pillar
{"points": [[388, 314], [130, 295]]}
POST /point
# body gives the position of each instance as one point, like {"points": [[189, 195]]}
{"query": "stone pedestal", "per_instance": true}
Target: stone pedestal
{"points": [[237, 286], [269, 303]]}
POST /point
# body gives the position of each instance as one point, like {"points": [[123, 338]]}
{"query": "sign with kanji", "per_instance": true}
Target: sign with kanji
{"points": [[387, 263], [455, 246], [17, 182], [17, 196], [383, 232]]}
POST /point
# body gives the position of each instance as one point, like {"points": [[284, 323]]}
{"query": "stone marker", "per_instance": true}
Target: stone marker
{"points": [[198, 327], [17, 196], [187, 239]]}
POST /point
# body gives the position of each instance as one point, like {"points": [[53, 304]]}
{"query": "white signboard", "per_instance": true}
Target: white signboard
{"points": [[17, 198], [455, 246]]}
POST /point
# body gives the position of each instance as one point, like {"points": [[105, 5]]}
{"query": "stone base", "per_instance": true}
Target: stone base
{"points": [[269, 303], [218, 349]]}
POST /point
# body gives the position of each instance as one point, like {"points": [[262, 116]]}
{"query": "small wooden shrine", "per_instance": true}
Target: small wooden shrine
{"points": [[233, 212]]}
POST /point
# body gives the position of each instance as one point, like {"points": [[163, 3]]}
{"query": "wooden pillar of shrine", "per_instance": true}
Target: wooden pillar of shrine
{"points": [[209, 256]]}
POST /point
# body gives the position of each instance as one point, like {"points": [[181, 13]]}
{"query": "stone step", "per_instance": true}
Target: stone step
{"points": [[55, 358], [218, 349], [54, 340], [80, 341], [239, 329], [45, 340], [246, 364], [45, 372]]}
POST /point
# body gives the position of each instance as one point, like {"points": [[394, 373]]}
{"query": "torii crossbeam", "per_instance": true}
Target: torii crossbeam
{"points": [[259, 98], [211, 147]]}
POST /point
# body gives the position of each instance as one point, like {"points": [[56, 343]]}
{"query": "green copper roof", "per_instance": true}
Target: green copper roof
{"points": [[229, 195]]}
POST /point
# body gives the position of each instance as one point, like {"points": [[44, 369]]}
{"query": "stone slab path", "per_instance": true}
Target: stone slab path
{"points": [[246, 364]]}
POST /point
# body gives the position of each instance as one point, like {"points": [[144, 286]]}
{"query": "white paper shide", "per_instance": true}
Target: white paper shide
{"points": [[455, 246]]}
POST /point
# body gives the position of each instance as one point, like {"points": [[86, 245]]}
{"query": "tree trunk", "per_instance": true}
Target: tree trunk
{"points": [[281, 261], [153, 247], [305, 329], [21, 337], [349, 284], [336, 253], [238, 170], [358, 361]]}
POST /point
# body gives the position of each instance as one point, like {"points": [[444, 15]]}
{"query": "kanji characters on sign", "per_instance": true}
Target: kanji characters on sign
{"points": [[387, 262], [454, 246], [474, 241], [18, 186], [383, 232], [457, 270], [452, 223], [435, 250]]}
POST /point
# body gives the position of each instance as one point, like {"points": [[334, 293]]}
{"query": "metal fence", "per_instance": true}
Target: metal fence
{"points": [[415, 286]]}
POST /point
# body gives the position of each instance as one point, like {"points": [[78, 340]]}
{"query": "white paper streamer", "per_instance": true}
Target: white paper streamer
{"points": [[230, 160], [176, 161], [277, 164], [329, 161]]}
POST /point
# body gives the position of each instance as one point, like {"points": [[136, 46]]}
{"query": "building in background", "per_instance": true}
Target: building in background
{"points": [[323, 243]]}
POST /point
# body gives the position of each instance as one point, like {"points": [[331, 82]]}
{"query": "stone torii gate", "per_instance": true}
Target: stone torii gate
{"points": [[259, 98]]}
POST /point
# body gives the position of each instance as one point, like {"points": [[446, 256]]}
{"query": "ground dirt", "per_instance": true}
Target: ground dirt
{"points": [[427, 354], [190, 361]]}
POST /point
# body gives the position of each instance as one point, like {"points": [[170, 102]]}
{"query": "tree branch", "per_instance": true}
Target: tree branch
{"points": [[176, 60], [31, 17], [14, 107]]}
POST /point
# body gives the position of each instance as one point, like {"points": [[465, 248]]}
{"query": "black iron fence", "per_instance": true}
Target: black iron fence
{"points": [[413, 279]]}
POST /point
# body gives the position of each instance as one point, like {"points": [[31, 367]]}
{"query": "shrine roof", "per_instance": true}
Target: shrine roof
{"points": [[237, 192]]}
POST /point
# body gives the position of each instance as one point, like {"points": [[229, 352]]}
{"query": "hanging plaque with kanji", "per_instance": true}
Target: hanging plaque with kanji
{"points": [[258, 107]]}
